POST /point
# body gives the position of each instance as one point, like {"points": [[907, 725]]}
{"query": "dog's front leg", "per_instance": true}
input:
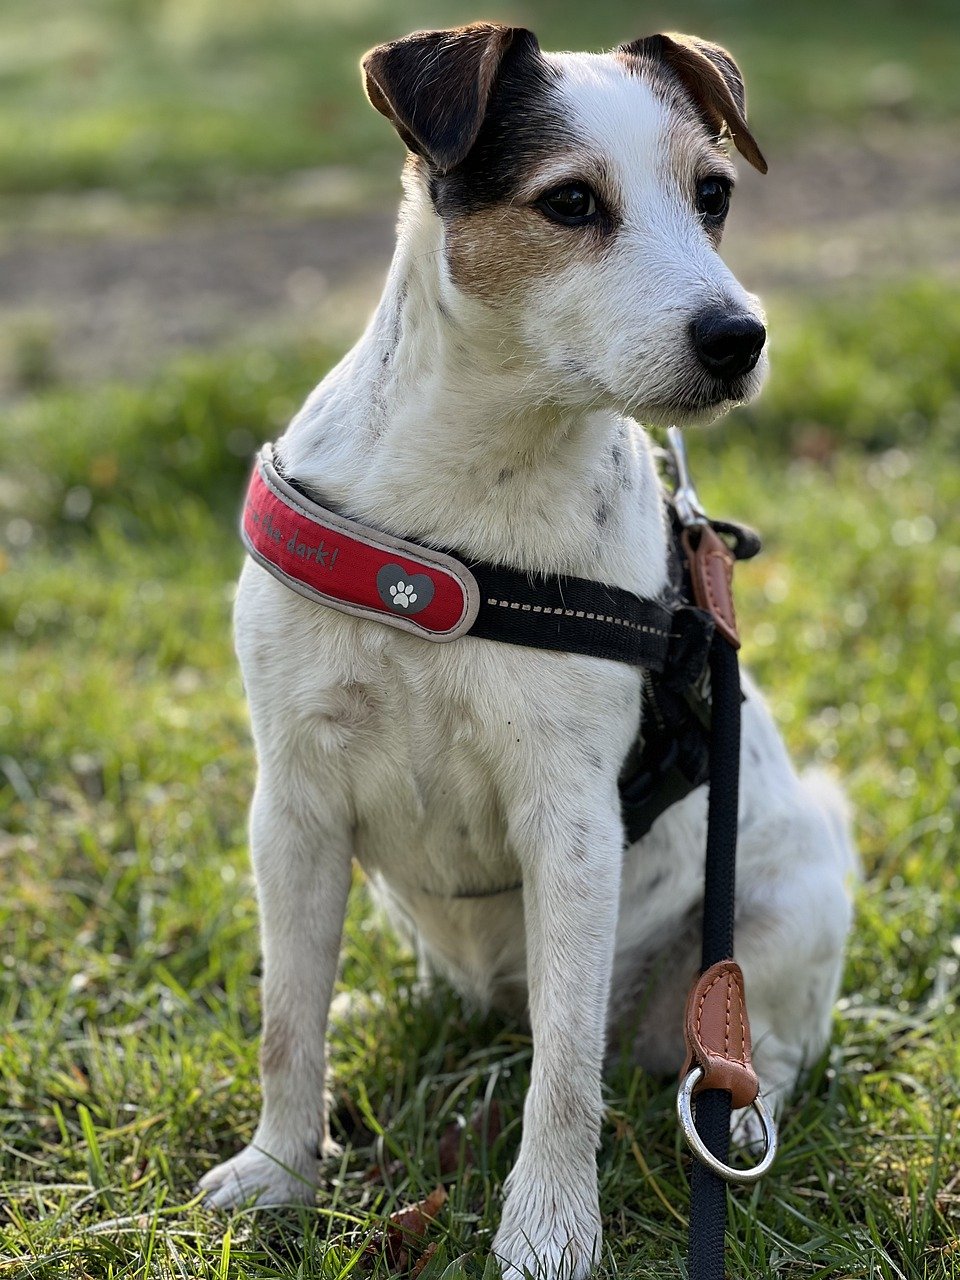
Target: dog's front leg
{"points": [[571, 879], [302, 859]]}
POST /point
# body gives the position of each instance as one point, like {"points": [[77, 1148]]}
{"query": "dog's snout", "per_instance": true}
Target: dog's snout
{"points": [[728, 345]]}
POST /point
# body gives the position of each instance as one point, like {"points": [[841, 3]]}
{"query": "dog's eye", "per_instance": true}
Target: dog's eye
{"points": [[713, 198], [572, 204]]}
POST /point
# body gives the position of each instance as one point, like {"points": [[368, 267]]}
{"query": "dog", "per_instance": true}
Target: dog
{"points": [[556, 283]]}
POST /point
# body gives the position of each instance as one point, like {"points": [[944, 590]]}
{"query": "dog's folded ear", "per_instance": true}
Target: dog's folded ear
{"points": [[713, 80], [434, 86]]}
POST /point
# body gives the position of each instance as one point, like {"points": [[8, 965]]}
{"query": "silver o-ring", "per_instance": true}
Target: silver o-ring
{"points": [[696, 1143]]}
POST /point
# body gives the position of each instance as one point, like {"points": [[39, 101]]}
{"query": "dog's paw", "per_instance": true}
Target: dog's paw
{"points": [[254, 1177], [548, 1233]]}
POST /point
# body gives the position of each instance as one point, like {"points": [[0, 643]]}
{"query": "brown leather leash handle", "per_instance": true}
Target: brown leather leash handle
{"points": [[711, 563], [719, 1063]]}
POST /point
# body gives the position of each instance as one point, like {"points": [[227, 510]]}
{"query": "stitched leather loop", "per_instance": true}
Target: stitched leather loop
{"points": [[711, 575], [717, 1034]]}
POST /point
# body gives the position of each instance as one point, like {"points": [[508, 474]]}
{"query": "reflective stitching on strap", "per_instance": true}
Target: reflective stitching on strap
{"points": [[579, 613]]}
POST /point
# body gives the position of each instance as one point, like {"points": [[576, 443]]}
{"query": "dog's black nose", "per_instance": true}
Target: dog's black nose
{"points": [[728, 345]]}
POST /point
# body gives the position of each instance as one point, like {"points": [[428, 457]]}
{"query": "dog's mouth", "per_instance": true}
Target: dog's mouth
{"points": [[701, 400]]}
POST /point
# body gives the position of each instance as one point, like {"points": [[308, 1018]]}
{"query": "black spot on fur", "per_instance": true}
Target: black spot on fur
{"points": [[574, 366], [601, 511], [398, 313], [579, 847]]}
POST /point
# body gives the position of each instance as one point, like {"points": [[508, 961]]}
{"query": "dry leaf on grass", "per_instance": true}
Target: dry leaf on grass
{"points": [[403, 1242], [422, 1261]]}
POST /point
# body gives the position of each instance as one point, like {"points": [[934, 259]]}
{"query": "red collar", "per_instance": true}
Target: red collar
{"points": [[351, 567], [358, 570]]}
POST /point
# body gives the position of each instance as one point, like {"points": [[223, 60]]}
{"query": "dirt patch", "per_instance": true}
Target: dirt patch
{"points": [[848, 210], [120, 303]]}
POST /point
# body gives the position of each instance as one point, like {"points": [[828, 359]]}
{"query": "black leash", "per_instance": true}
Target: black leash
{"points": [[708, 1191], [718, 1075]]}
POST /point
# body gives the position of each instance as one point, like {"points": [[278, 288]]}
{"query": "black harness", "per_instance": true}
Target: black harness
{"points": [[671, 756]]}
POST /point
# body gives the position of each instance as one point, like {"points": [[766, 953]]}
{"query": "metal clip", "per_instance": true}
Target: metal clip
{"points": [[685, 498]]}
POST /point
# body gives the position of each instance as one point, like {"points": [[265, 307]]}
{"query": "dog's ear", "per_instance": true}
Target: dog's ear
{"points": [[712, 79], [434, 86]]}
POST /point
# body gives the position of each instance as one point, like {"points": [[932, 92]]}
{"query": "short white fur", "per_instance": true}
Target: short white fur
{"points": [[465, 766]]}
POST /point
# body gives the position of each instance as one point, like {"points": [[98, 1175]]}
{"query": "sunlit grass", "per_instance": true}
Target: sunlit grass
{"points": [[128, 962]]}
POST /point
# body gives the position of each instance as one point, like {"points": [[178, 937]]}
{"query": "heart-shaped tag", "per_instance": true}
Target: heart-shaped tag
{"points": [[404, 592]]}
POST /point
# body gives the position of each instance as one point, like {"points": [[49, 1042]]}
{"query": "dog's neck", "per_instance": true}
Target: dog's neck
{"points": [[433, 427]]}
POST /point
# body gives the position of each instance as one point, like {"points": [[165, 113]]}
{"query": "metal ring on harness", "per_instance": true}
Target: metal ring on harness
{"points": [[701, 1151]]}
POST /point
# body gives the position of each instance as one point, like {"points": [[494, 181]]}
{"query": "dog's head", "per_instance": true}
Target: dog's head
{"points": [[582, 199]]}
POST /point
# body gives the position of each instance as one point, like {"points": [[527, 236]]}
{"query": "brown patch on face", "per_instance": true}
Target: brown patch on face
{"points": [[498, 251]]}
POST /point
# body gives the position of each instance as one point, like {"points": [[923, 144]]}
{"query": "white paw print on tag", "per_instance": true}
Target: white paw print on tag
{"points": [[402, 591], [403, 594]]}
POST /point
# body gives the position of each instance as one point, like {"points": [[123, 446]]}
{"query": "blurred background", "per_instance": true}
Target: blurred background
{"points": [[184, 173], [196, 211]]}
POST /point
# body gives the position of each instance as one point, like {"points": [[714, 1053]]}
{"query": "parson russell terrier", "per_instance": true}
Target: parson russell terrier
{"points": [[556, 283]]}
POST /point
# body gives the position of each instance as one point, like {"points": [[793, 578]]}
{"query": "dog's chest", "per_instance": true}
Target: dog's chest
{"points": [[429, 813], [427, 745], [423, 745]]}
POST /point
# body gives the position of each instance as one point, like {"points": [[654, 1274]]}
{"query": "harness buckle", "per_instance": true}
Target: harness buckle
{"points": [[686, 500]]}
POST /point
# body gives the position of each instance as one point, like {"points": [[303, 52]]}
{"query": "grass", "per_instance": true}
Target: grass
{"points": [[179, 100], [128, 953], [129, 1007]]}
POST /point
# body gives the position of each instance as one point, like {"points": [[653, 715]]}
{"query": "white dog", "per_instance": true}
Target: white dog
{"points": [[556, 271]]}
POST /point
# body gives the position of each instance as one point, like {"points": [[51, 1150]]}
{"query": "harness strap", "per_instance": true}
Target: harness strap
{"points": [[571, 614]]}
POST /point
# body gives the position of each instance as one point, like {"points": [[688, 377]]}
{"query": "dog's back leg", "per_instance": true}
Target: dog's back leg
{"points": [[795, 865], [793, 916]]}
